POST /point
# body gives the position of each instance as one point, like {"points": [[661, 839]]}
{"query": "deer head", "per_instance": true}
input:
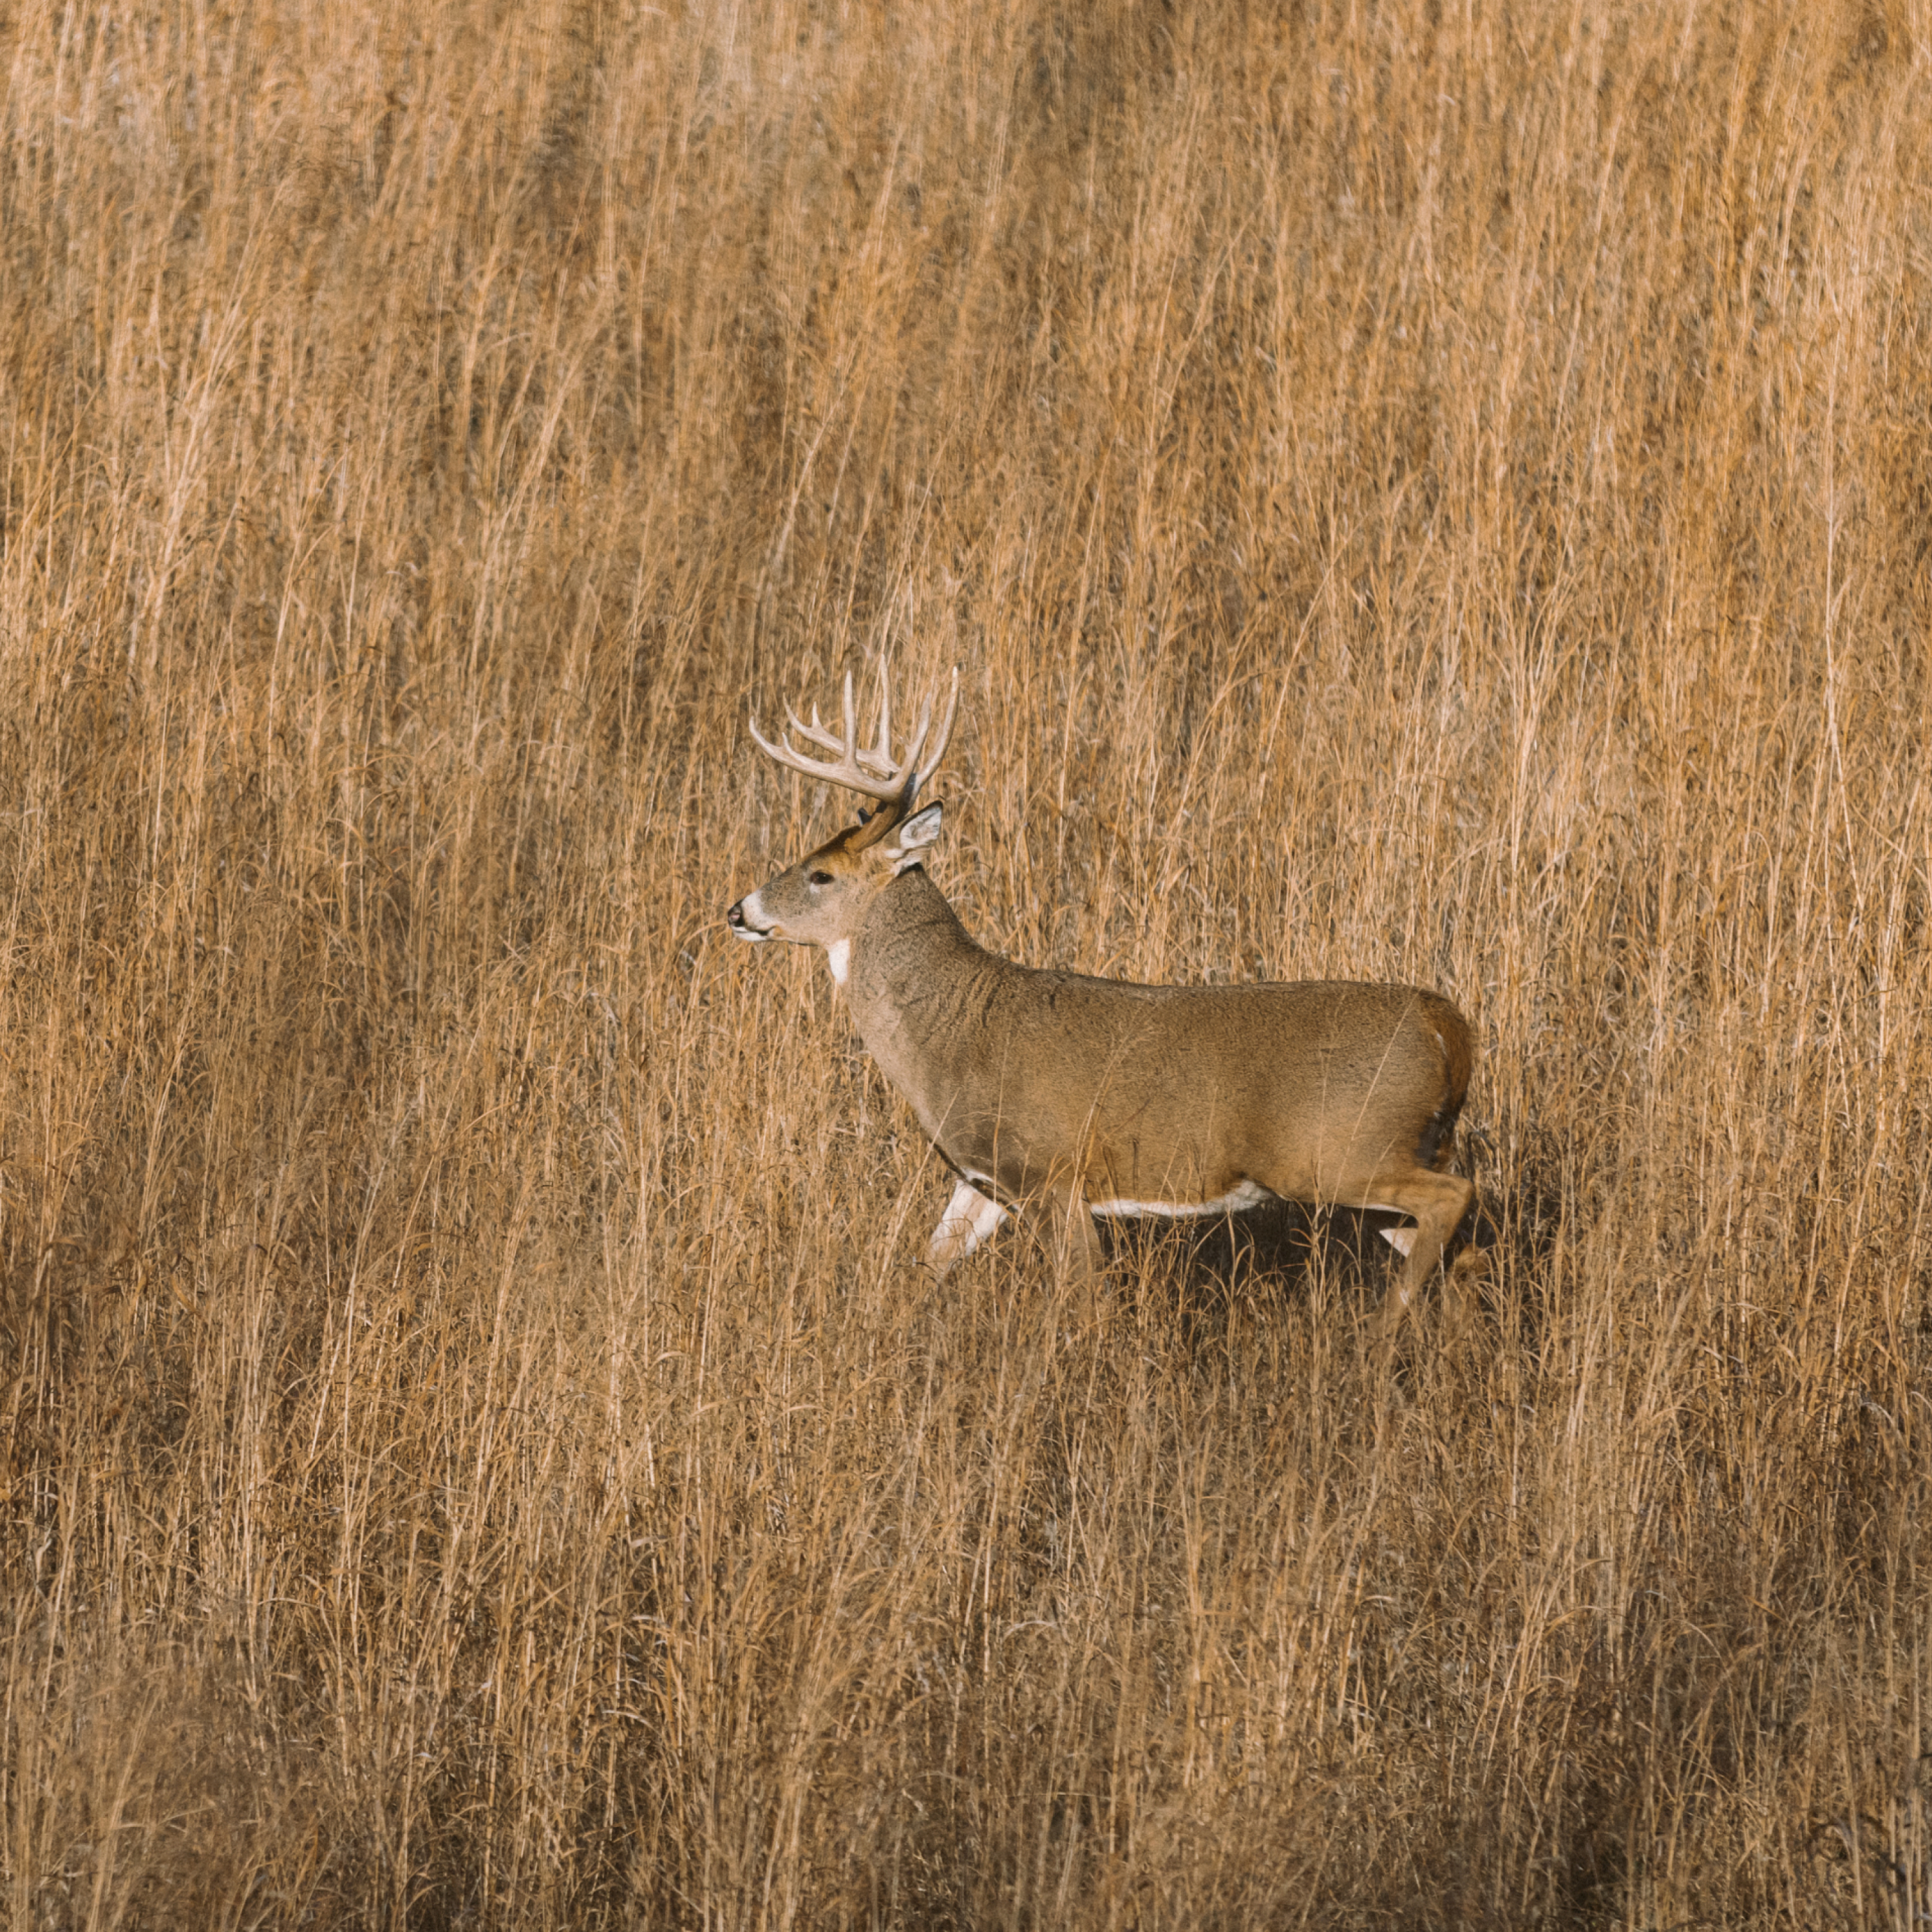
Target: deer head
{"points": [[823, 899]]}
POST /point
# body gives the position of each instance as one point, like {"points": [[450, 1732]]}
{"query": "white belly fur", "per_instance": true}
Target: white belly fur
{"points": [[1246, 1194]]}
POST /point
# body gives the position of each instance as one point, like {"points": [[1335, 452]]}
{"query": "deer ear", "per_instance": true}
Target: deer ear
{"points": [[912, 837]]}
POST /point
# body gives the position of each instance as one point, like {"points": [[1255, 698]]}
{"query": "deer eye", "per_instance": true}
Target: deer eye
{"points": [[819, 878]]}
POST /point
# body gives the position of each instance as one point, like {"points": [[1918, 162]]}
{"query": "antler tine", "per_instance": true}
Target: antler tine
{"points": [[878, 758], [815, 731], [847, 769], [885, 712], [910, 762], [872, 771], [930, 764]]}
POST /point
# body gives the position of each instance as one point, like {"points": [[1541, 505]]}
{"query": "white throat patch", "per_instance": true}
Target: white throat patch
{"points": [[839, 957]]}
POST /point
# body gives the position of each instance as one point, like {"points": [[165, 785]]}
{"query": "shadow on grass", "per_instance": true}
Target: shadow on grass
{"points": [[1283, 1250]]}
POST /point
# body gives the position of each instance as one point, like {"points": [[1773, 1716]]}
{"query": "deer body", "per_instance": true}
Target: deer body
{"points": [[1067, 1097], [1040, 1086]]}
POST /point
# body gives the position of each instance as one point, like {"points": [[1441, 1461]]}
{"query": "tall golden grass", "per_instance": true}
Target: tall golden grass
{"points": [[1420, 490]]}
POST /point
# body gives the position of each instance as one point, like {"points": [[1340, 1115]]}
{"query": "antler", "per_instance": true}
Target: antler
{"points": [[870, 770]]}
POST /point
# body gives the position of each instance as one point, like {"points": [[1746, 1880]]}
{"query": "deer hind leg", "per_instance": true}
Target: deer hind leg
{"points": [[970, 1217], [1437, 1203]]}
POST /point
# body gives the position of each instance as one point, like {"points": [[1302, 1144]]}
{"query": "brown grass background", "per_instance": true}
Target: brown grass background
{"points": [[1419, 489]]}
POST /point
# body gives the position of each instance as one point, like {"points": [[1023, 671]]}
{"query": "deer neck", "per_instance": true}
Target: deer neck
{"points": [[912, 976]]}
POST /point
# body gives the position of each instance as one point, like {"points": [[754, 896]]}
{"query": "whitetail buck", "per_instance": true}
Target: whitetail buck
{"points": [[1065, 1097]]}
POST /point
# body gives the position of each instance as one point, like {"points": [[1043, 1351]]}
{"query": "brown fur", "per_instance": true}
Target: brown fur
{"points": [[1052, 1092]]}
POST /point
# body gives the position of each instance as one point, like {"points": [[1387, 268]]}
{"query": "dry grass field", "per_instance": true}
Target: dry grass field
{"points": [[1418, 490]]}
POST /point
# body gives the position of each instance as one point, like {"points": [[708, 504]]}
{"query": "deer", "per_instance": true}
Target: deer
{"points": [[1068, 1100]]}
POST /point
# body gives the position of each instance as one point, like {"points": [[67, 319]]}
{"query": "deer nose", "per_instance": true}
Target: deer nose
{"points": [[735, 920]]}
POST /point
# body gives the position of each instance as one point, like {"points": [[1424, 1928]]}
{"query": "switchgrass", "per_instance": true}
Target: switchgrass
{"points": [[1421, 492]]}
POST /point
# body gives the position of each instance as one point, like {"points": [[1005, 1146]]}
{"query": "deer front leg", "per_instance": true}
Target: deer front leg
{"points": [[970, 1217]]}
